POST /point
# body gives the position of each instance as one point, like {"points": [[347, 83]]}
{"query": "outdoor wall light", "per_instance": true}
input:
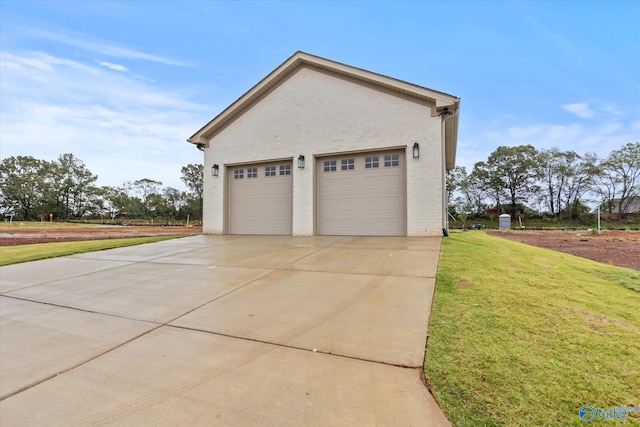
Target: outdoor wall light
{"points": [[416, 150], [300, 161], [214, 170], [445, 113]]}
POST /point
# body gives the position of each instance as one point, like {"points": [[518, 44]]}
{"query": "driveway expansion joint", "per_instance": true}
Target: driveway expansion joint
{"points": [[293, 347], [101, 313]]}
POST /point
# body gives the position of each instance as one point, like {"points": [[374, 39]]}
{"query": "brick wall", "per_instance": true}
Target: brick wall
{"points": [[315, 113]]}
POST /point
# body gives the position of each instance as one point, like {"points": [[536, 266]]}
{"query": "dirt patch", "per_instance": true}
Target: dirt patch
{"points": [[16, 236], [620, 248]]}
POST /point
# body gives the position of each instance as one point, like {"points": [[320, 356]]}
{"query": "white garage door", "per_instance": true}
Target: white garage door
{"points": [[261, 199], [362, 194]]}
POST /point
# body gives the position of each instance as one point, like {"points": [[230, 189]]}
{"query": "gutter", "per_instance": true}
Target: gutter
{"points": [[445, 114]]}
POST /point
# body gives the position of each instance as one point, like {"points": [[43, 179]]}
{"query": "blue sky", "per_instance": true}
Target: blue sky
{"points": [[122, 84]]}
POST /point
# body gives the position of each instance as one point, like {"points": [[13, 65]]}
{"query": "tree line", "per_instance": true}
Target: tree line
{"points": [[519, 180], [522, 180], [34, 189]]}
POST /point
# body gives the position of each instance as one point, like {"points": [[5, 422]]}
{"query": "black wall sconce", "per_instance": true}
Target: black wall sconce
{"points": [[300, 161], [416, 150], [214, 170]]}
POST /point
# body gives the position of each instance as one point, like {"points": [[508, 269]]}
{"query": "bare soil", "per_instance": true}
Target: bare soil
{"points": [[16, 236], [620, 248]]}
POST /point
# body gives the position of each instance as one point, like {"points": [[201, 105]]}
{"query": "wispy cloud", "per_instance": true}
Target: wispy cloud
{"points": [[600, 137], [115, 67], [609, 129], [96, 45], [580, 109], [124, 128], [552, 38]]}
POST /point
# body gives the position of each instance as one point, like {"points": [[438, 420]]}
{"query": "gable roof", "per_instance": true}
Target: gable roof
{"points": [[632, 205], [300, 59]]}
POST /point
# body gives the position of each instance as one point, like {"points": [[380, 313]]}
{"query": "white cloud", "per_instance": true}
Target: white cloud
{"points": [[611, 108], [122, 127], [609, 128], [556, 135], [33, 62], [103, 47], [116, 67], [601, 135], [580, 109]]}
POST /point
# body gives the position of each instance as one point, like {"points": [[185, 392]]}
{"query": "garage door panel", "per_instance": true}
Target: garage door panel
{"points": [[389, 182], [339, 186], [260, 204], [275, 208], [361, 200], [277, 187], [340, 205], [341, 225], [274, 226], [386, 214], [377, 223], [378, 204], [244, 194]]}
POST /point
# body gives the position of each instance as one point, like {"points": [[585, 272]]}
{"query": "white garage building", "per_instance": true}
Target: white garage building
{"points": [[321, 148]]}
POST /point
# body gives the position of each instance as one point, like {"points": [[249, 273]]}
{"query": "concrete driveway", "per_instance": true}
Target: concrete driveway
{"points": [[221, 330]]}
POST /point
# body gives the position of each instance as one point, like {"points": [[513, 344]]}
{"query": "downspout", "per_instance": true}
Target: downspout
{"points": [[445, 115]]}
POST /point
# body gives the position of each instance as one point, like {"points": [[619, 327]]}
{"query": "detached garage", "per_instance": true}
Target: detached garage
{"points": [[322, 148]]}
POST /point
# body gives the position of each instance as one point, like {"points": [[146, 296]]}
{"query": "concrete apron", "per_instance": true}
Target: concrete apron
{"points": [[221, 330]]}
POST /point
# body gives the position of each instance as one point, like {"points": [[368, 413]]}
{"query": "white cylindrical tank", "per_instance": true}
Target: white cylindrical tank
{"points": [[505, 222]]}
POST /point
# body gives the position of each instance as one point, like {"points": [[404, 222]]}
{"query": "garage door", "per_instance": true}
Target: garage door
{"points": [[362, 194], [261, 199]]}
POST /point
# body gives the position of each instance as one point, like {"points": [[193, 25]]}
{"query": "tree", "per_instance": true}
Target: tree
{"points": [[453, 181], [193, 177], [488, 183], [145, 188], [578, 181], [22, 186], [605, 186], [73, 185], [517, 170], [471, 194], [475, 194], [174, 201], [623, 166], [116, 200], [555, 165], [566, 178]]}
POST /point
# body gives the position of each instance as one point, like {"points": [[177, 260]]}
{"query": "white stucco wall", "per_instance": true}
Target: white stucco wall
{"points": [[314, 113]]}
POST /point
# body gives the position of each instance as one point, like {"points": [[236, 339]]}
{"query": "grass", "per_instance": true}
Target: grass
{"points": [[23, 253], [524, 336]]}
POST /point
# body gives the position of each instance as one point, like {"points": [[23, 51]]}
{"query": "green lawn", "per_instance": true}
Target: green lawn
{"points": [[23, 253], [523, 336]]}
